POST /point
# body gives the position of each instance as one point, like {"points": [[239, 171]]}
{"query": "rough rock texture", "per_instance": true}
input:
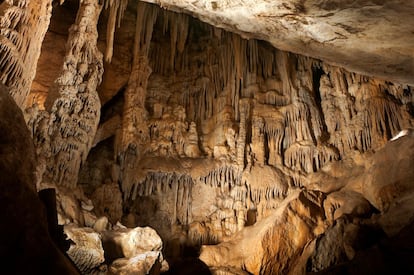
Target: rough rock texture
{"points": [[86, 249], [21, 43], [221, 126], [134, 251], [223, 129], [116, 251], [26, 246], [369, 37], [275, 244], [349, 228], [131, 242], [140, 264]]}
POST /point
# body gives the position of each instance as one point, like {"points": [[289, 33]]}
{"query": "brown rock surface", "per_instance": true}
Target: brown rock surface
{"points": [[272, 158], [26, 246], [275, 244]]}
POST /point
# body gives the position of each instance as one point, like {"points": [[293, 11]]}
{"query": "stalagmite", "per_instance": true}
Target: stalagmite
{"points": [[75, 113]]}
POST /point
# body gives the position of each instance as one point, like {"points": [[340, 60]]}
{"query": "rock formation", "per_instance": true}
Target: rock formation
{"points": [[26, 243], [21, 43], [263, 158]]}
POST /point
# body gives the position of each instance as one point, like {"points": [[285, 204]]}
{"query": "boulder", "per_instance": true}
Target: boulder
{"points": [[140, 264], [86, 249], [128, 243], [275, 244]]}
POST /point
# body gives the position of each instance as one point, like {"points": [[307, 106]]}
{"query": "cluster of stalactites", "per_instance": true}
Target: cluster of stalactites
{"points": [[233, 69], [163, 184], [225, 177], [227, 67], [23, 25], [360, 112], [231, 201], [116, 12], [135, 132]]}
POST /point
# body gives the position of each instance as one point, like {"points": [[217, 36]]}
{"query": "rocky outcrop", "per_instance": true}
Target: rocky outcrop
{"points": [[26, 244], [116, 251], [276, 244], [86, 249], [337, 228]]}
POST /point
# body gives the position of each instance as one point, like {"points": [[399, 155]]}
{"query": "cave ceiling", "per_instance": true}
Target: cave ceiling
{"points": [[372, 37]]}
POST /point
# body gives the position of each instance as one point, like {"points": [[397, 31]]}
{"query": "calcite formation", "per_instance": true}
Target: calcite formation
{"points": [[248, 121], [71, 125], [262, 156], [21, 43], [368, 36]]}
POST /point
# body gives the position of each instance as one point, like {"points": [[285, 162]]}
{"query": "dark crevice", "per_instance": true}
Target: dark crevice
{"points": [[114, 106], [317, 73], [266, 149]]}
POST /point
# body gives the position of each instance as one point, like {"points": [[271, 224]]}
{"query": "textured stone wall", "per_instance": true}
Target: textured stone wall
{"points": [[221, 126], [203, 134]]}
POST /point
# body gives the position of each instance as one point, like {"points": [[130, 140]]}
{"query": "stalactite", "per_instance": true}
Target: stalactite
{"points": [[224, 177], [265, 183], [242, 137], [178, 33], [200, 233], [116, 12], [23, 26], [162, 183], [307, 157], [365, 116], [296, 123]]}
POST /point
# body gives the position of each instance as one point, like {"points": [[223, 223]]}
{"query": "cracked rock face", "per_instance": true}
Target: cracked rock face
{"points": [[372, 37]]}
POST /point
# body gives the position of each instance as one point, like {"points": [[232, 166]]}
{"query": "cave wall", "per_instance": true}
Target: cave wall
{"points": [[194, 130], [215, 126]]}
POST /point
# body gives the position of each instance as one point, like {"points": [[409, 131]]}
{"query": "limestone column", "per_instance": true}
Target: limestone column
{"points": [[135, 132], [75, 113]]}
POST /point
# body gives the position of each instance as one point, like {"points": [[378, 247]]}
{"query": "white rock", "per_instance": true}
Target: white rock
{"points": [[86, 251]]}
